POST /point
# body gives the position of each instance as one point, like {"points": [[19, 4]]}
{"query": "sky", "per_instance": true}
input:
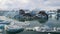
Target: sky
{"points": [[29, 4]]}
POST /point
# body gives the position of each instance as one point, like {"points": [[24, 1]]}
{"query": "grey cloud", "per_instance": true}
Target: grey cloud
{"points": [[29, 4]]}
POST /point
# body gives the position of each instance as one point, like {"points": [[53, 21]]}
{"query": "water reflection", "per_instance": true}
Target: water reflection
{"points": [[36, 22], [57, 18], [43, 20], [10, 33], [39, 20]]}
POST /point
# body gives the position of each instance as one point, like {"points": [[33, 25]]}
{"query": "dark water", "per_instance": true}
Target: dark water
{"points": [[51, 22], [27, 32]]}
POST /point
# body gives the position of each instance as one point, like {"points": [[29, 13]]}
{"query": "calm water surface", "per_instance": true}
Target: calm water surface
{"points": [[51, 22]]}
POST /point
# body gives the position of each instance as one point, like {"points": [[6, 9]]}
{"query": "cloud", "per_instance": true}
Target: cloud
{"points": [[52, 2], [13, 4], [29, 4]]}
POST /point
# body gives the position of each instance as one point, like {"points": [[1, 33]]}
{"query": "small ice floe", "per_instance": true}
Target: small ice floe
{"points": [[54, 29], [1, 30], [29, 29], [2, 26], [24, 24], [58, 29], [39, 29], [42, 29], [36, 28], [4, 22], [14, 28]]}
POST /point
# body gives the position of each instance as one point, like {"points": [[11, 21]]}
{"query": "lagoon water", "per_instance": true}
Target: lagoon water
{"points": [[51, 22]]}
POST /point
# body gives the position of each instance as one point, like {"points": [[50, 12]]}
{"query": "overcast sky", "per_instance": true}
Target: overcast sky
{"points": [[29, 4]]}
